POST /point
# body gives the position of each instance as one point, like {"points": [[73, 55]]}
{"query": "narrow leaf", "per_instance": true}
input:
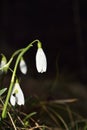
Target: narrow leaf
{"points": [[2, 91]]}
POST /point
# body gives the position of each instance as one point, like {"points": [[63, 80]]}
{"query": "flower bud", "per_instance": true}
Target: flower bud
{"points": [[3, 68], [41, 61], [23, 66]]}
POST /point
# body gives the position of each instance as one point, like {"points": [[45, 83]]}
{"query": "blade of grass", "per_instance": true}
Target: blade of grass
{"points": [[28, 116], [59, 117], [12, 121], [2, 91], [51, 115]]}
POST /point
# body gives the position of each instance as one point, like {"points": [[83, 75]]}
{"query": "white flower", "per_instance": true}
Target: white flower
{"points": [[23, 66], [3, 62], [41, 61], [17, 95]]}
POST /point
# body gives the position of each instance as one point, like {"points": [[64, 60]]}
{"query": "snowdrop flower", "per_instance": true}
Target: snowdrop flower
{"points": [[17, 95], [2, 64], [41, 61], [3, 61], [23, 66]]}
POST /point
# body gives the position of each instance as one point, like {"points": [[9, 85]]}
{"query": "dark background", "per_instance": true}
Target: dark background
{"points": [[61, 26]]}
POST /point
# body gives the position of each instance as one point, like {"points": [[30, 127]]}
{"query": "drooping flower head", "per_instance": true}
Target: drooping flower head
{"points": [[17, 95], [3, 60], [41, 61], [2, 64], [23, 66]]}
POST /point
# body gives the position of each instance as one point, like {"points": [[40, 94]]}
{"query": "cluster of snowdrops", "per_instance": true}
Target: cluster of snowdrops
{"points": [[15, 94]]}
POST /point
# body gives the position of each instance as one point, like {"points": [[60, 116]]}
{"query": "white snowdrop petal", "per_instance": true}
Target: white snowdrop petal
{"points": [[23, 66], [2, 63], [41, 61], [12, 100], [20, 97]]}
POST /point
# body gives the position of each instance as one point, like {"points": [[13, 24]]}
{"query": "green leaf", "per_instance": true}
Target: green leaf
{"points": [[28, 116], [2, 91]]}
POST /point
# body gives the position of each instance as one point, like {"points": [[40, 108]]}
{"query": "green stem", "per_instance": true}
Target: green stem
{"points": [[14, 54], [12, 57], [24, 50]]}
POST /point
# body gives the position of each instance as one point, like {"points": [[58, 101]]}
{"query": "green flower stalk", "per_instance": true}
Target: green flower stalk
{"points": [[4, 65]]}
